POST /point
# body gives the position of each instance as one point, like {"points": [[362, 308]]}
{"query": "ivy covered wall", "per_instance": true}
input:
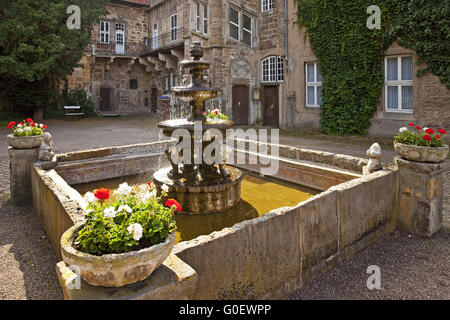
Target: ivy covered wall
{"points": [[351, 54]]}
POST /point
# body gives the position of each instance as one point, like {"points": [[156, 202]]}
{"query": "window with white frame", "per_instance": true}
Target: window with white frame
{"points": [[200, 12], [266, 5], [205, 19], [173, 27], [104, 32], [197, 17], [240, 26], [313, 85], [399, 84], [273, 69]]}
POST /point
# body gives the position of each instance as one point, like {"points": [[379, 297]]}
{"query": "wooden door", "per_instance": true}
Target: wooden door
{"points": [[241, 101], [271, 106], [154, 100], [105, 99]]}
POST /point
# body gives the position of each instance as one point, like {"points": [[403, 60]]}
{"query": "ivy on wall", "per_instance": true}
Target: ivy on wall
{"points": [[351, 54]]}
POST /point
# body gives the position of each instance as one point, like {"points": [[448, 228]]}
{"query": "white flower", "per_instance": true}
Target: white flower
{"points": [[403, 129], [41, 125], [126, 208], [124, 189], [425, 129], [149, 196], [90, 197], [19, 130], [88, 211], [19, 126], [136, 230], [110, 212], [27, 129], [165, 188]]}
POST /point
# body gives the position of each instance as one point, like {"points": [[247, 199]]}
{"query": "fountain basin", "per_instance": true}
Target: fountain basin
{"points": [[202, 199]]}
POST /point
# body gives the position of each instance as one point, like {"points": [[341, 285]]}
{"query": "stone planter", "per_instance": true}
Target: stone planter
{"points": [[114, 270], [25, 142], [421, 154]]}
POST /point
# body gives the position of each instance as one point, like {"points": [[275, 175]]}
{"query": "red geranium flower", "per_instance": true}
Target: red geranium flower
{"points": [[21, 123], [426, 138], [217, 111], [429, 131], [442, 131], [411, 124], [438, 137], [44, 127], [418, 128], [11, 124], [33, 124], [149, 184], [29, 120], [172, 202], [102, 194]]}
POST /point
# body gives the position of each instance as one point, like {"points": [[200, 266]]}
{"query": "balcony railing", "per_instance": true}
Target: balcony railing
{"points": [[129, 49], [163, 42]]}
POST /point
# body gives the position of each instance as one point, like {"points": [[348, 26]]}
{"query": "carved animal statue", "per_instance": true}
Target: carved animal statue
{"points": [[46, 153], [374, 164]]}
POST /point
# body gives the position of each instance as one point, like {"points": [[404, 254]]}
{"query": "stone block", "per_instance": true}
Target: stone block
{"points": [[173, 280]]}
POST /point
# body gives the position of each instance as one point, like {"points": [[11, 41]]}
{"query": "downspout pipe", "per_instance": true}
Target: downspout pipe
{"points": [[286, 42]]}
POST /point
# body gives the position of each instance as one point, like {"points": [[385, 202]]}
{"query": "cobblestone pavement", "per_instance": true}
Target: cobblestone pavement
{"points": [[412, 267]]}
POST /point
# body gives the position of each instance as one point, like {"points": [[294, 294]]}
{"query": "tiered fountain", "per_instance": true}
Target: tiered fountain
{"points": [[200, 188]]}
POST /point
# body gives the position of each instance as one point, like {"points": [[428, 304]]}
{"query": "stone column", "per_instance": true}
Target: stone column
{"points": [[21, 161], [420, 196]]}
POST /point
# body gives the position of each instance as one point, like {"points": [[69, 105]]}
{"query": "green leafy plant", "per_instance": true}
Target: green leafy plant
{"points": [[423, 137], [215, 114], [27, 128], [132, 219]]}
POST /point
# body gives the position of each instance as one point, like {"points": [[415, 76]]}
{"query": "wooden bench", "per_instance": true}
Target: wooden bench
{"points": [[71, 112]]}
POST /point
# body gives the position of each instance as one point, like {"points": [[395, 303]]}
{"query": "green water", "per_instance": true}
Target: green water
{"points": [[258, 197]]}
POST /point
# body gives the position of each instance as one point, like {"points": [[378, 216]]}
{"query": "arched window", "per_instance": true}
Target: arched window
{"points": [[273, 69]]}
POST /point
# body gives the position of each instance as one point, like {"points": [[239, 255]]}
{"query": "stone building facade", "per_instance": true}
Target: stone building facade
{"points": [[260, 60], [426, 100], [112, 70]]}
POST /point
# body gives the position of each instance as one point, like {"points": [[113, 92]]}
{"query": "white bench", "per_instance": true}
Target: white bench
{"points": [[71, 112]]}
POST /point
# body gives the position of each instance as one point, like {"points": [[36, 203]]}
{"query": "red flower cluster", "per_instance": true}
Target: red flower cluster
{"points": [[102, 194], [442, 131], [11, 124], [172, 202], [150, 184], [426, 138], [429, 131]]}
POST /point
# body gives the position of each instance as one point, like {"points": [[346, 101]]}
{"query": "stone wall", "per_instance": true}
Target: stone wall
{"points": [[269, 257]]}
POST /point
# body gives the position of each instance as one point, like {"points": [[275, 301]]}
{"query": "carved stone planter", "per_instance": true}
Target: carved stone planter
{"points": [[25, 142], [421, 154], [114, 270]]}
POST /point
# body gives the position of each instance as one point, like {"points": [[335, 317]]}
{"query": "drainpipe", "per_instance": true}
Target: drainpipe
{"points": [[286, 43]]}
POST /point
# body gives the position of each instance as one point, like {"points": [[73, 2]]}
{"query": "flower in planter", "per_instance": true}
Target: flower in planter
{"points": [[216, 114], [173, 203], [165, 188], [426, 137], [132, 220], [102, 194], [27, 128]]}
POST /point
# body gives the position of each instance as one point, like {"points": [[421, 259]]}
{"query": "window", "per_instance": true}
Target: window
{"points": [[133, 84], [198, 17], [104, 32], [205, 19], [247, 30], [399, 84], [234, 24], [240, 26], [313, 85], [273, 69], [266, 5], [173, 27]]}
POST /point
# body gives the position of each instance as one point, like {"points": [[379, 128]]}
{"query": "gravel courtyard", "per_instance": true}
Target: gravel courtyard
{"points": [[411, 267]]}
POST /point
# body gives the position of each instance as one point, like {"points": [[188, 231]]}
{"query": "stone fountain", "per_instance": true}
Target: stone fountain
{"points": [[200, 188]]}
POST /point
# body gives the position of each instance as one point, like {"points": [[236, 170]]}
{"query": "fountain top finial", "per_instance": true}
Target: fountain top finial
{"points": [[196, 51]]}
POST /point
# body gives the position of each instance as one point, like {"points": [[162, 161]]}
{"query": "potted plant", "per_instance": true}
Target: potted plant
{"points": [[421, 144], [215, 114], [26, 134], [124, 237]]}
